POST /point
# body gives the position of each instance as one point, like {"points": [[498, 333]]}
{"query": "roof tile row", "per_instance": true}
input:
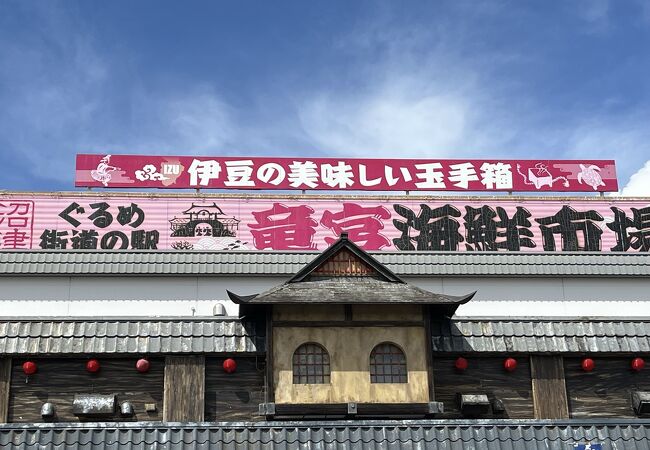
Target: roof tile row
{"points": [[542, 336], [128, 336], [41, 336], [514, 435], [287, 263]]}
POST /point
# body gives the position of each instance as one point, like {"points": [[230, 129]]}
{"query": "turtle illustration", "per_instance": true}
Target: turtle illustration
{"points": [[591, 176]]}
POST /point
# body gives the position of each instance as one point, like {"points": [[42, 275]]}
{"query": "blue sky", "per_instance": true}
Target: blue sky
{"points": [[521, 79]]}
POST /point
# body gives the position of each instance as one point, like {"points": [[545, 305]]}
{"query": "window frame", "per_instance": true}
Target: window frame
{"points": [[391, 371], [320, 372]]}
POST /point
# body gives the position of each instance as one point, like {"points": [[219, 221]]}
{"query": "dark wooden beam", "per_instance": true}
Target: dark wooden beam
{"points": [[59, 379], [605, 392], [269, 384], [345, 323], [485, 375], [379, 410], [5, 382], [184, 392], [348, 313], [426, 314], [233, 396], [549, 388]]}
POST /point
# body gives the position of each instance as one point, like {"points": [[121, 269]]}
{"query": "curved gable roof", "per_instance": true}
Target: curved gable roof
{"points": [[308, 286]]}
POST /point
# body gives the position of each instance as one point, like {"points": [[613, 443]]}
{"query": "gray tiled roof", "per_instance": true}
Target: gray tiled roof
{"points": [[287, 263], [50, 336], [542, 336], [349, 290], [448, 435]]}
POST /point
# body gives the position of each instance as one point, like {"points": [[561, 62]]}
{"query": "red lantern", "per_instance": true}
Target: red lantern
{"points": [[229, 365], [461, 364], [142, 365], [92, 366], [510, 364], [29, 367], [588, 364], [638, 364]]}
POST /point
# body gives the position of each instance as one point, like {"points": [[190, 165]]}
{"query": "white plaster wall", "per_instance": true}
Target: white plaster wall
{"points": [[187, 296]]}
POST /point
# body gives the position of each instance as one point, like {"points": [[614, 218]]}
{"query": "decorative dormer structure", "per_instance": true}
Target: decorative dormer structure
{"points": [[346, 336]]}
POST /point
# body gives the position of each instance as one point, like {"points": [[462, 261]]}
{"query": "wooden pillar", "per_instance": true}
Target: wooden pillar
{"points": [[184, 395], [270, 384], [549, 388], [428, 345], [5, 380]]}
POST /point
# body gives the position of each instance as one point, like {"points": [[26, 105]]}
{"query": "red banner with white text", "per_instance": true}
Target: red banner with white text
{"points": [[344, 174]]}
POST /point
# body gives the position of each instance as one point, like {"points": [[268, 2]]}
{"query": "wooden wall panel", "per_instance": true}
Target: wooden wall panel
{"points": [[5, 381], [549, 390], [344, 264], [58, 380], [605, 392], [184, 390], [485, 375], [234, 396]]}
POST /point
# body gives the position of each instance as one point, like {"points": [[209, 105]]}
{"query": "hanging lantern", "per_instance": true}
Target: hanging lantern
{"points": [[93, 366], [461, 364], [638, 364], [229, 365], [588, 364], [29, 368], [510, 364], [142, 365]]}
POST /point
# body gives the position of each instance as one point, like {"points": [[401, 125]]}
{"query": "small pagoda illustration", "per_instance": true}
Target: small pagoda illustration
{"points": [[204, 220]]}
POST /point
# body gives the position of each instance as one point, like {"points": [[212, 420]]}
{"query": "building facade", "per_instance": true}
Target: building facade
{"points": [[322, 349]]}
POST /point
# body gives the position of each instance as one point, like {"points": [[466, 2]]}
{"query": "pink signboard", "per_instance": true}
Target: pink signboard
{"points": [[262, 223], [178, 172]]}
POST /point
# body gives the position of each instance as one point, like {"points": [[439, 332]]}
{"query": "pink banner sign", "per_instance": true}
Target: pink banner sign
{"points": [[256, 223], [180, 172]]}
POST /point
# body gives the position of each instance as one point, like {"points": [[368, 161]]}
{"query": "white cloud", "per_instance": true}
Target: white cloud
{"points": [[408, 92], [424, 93], [54, 93], [427, 102], [593, 11], [409, 95], [67, 98], [196, 120], [624, 138], [639, 184], [385, 122]]}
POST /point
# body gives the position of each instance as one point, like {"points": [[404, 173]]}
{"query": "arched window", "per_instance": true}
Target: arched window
{"points": [[311, 365], [388, 364]]}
